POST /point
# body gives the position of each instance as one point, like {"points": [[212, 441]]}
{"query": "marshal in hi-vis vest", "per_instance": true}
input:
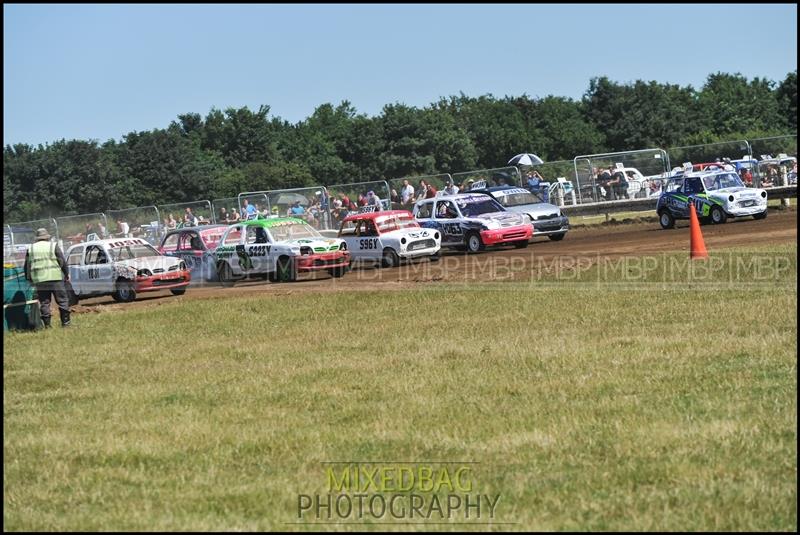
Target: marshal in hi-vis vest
{"points": [[44, 265]]}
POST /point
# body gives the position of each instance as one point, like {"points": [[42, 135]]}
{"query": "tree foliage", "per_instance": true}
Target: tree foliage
{"points": [[239, 149]]}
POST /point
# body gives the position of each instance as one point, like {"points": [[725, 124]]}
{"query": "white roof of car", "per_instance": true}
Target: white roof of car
{"points": [[114, 242]]}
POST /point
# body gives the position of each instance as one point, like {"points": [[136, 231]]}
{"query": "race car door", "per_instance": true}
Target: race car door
{"points": [[96, 272], [191, 250], [446, 216], [368, 244], [693, 188], [257, 249], [74, 263]]}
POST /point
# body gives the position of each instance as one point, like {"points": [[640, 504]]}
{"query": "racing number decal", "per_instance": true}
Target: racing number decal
{"points": [[94, 273], [701, 206], [452, 229], [368, 243], [260, 250]]}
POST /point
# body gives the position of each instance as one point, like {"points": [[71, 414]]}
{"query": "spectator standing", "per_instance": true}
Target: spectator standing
{"points": [[373, 200], [235, 217], [248, 210], [431, 192], [124, 229], [171, 223], [423, 190], [451, 188], [47, 270], [406, 193], [223, 215]]}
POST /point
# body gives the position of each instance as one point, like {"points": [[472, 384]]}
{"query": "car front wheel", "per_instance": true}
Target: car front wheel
{"points": [[474, 243], [125, 291], [225, 275], [666, 220], [718, 215], [762, 215], [557, 237]]}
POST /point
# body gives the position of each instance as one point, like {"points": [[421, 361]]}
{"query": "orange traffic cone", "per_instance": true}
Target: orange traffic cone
{"points": [[697, 247]]}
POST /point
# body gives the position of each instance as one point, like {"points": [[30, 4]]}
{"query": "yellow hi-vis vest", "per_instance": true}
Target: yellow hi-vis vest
{"points": [[44, 265]]}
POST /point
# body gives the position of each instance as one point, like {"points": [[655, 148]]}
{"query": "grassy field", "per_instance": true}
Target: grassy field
{"points": [[586, 406]]}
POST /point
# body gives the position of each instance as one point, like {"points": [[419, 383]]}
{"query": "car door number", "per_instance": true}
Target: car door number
{"points": [[259, 250], [94, 273], [452, 229], [368, 243]]}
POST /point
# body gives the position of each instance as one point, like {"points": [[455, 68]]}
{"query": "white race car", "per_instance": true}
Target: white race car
{"points": [[277, 249], [123, 267], [473, 221], [388, 236]]}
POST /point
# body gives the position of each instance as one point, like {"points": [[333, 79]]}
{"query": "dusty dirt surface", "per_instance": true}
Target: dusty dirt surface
{"points": [[589, 244]]}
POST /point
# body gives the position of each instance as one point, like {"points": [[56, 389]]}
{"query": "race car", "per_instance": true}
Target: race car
{"points": [[195, 246], [277, 249], [387, 237], [473, 221], [716, 195], [546, 218], [123, 268]]}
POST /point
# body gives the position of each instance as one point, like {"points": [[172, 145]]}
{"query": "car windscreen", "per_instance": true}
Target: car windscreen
{"points": [[293, 231], [129, 252], [478, 205], [722, 181], [516, 197]]}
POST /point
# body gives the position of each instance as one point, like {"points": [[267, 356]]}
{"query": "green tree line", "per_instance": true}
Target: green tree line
{"points": [[236, 150]]}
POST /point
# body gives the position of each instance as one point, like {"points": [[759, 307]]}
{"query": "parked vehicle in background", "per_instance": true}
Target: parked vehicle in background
{"points": [[473, 221], [388, 237], [196, 247], [716, 195], [123, 268], [546, 218], [277, 249]]}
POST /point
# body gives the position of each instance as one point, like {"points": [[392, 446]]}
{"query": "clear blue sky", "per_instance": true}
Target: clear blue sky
{"points": [[101, 71]]}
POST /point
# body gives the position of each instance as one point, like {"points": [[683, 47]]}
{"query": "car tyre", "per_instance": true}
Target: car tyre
{"points": [[762, 215], [125, 292], [557, 237], [474, 243], [718, 215], [287, 271], [225, 275], [178, 291], [337, 272], [435, 257], [666, 219], [390, 258], [521, 244]]}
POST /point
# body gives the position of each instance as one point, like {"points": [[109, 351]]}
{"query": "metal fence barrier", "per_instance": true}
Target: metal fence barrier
{"points": [[346, 199], [642, 172], [405, 191], [85, 227], [182, 214], [143, 222], [17, 237]]}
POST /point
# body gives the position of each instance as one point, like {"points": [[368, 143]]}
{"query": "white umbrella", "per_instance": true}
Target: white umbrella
{"points": [[525, 158]]}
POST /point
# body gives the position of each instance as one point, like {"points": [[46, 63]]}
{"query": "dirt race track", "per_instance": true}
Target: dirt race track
{"points": [[585, 244]]}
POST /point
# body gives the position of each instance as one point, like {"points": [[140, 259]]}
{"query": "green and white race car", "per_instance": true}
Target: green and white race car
{"points": [[716, 196], [277, 249]]}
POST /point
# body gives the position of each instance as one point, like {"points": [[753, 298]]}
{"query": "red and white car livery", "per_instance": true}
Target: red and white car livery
{"points": [[388, 236], [122, 268]]}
